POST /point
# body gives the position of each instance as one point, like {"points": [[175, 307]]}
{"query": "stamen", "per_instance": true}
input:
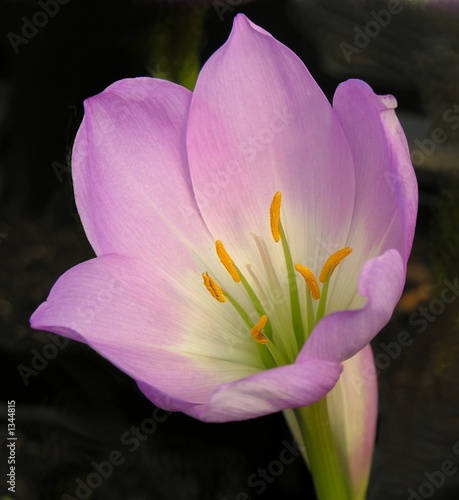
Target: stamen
{"points": [[267, 263], [274, 216], [213, 288], [257, 283], [332, 262], [226, 260], [297, 321], [310, 279], [256, 332]]}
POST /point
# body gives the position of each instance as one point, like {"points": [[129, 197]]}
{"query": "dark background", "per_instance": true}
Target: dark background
{"points": [[74, 408]]}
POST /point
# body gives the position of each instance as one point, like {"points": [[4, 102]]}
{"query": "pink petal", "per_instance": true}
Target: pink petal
{"points": [[130, 171], [259, 124], [268, 391], [385, 191], [148, 336], [342, 334], [353, 409], [386, 194], [151, 329]]}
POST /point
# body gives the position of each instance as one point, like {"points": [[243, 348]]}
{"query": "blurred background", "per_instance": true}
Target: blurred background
{"points": [[74, 409]]}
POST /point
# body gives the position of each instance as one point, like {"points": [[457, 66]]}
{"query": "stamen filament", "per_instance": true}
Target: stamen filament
{"points": [[276, 298], [276, 354], [310, 315], [255, 300], [274, 216], [266, 357], [259, 337], [227, 261], [257, 283], [240, 310], [293, 289], [330, 265], [267, 296], [332, 262], [237, 276], [312, 292], [213, 287], [267, 263], [322, 302]]}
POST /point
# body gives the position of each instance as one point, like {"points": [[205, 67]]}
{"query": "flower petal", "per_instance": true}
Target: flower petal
{"points": [[172, 340], [386, 188], [259, 124], [130, 170], [269, 391], [149, 338], [342, 334], [353, 410]]}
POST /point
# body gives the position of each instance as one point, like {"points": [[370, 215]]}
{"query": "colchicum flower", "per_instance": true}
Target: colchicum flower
{"points": [[249, 236]]}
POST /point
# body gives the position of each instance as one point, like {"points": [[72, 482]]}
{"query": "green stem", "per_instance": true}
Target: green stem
{"points": [[175, 44], [329, 477]]}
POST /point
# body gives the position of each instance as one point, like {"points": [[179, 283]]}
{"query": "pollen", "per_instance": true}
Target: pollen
{"points": [[332, 262], [227, 261], [274, 216], [310, 279], [213, 288], [257, 333]]}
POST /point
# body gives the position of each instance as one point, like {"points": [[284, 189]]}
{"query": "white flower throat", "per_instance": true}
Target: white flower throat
{"points": [[303, 315]]}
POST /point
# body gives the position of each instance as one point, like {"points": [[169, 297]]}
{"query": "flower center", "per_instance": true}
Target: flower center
{"points": [[276, 346]]}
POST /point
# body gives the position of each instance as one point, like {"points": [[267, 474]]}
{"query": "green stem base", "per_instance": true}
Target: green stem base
{"points": [[311, 427]]}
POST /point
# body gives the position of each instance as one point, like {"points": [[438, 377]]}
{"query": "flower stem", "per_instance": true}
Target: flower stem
{"points": [[174, 50], [329, 477]]}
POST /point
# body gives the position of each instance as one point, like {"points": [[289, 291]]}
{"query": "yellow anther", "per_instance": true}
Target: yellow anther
{"points": [[257, 333], [332, 263], [227, 261], [274, 216], [310, 279], [213, 288]]}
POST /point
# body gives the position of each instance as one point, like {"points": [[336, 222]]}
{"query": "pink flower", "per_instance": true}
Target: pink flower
{"points": [[183, 196]]}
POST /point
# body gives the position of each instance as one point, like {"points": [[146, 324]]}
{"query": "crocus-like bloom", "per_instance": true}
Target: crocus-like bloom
{"points": [[249, 236]]}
